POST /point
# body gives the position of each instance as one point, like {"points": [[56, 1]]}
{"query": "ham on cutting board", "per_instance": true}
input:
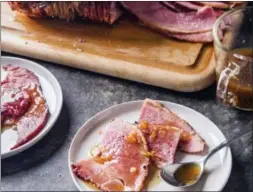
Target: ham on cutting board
{"points": [[128, 51], [157, 16]]}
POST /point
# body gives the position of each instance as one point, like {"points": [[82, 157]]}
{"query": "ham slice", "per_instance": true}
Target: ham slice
{"points": [[193, 37], [154, 113], [162, 142], [120, 163], [214, 4], [197, 37], [24, 104], [157, 16], [188, 5]]}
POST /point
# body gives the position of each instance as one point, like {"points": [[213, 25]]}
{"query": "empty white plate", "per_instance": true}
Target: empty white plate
{"points": [[218, 167], [53, 94]]}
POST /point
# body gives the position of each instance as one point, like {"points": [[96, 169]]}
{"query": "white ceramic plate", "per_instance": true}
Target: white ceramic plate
{"points": [[53, 94], [218, 167]]}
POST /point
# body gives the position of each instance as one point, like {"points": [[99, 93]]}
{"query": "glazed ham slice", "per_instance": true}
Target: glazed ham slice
{"points": [[22, 103], [154, 113], [162, 142], [120, 163]]}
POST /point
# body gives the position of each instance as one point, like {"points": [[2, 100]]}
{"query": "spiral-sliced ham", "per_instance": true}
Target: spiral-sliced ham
{"points": [[162, 142], [157, 16], [120, 163], [154, 113]]}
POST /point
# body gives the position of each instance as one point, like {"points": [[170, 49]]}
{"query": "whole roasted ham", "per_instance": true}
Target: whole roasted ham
{"points": [[120, 163], [107, 12], [154, 113], [182, 20], [22, 103]]}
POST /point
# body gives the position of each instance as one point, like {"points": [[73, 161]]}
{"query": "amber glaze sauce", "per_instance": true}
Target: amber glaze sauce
{"points": [[38, 103], [151, 181], [187, 174], [153, 178], [241, 85]]}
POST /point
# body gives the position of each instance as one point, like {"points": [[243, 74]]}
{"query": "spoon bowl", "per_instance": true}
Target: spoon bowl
{"points": [[169, 173], [184, 175]]}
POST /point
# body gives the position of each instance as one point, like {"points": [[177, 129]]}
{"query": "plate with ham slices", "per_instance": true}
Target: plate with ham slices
{"points": [[31, 101], [124, 147]]}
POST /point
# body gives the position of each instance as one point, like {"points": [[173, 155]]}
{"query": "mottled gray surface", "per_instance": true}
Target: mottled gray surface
{"points": [[44, 166]]}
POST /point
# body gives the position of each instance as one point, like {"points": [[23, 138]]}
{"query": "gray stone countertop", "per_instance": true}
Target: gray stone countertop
{"points": [[44, 166]]}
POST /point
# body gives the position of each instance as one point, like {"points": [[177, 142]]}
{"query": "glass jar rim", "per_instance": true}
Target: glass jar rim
{"points": [[217, 40]]}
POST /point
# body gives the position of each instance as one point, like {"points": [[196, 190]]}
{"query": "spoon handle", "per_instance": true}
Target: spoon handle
{"points": [[223, 144]]}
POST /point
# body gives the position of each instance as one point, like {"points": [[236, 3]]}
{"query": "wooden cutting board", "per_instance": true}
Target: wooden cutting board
{"points": [[126, 50]]}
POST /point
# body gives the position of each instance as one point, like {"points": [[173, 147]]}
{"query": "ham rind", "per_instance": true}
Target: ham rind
{"points": [[193, 37], [214, 4], [171, 6], [197, 37], [157, 16], [115, 12], [162, 142], [188, 5], [154, 113], [26, 107], [119, 164]]}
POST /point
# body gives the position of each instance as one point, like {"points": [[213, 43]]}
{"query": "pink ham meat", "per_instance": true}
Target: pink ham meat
{"points": [[119, 164], [157, 16], [12, 108], [154, 113], [23, 103], [162, 142]]}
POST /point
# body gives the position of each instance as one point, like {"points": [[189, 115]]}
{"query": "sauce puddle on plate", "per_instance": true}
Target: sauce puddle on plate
{"points": [[151, 181], [91, 186], [153, 178]]}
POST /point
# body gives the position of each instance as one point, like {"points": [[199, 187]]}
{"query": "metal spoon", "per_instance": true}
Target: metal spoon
{"points": [[168, 172]]}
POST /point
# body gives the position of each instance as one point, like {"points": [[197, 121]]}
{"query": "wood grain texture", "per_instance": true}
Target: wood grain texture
{"points": [[126, 50]]}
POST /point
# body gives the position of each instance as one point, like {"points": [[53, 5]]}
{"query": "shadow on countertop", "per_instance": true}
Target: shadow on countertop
{"points": [[42, 150], [239, 179]]}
